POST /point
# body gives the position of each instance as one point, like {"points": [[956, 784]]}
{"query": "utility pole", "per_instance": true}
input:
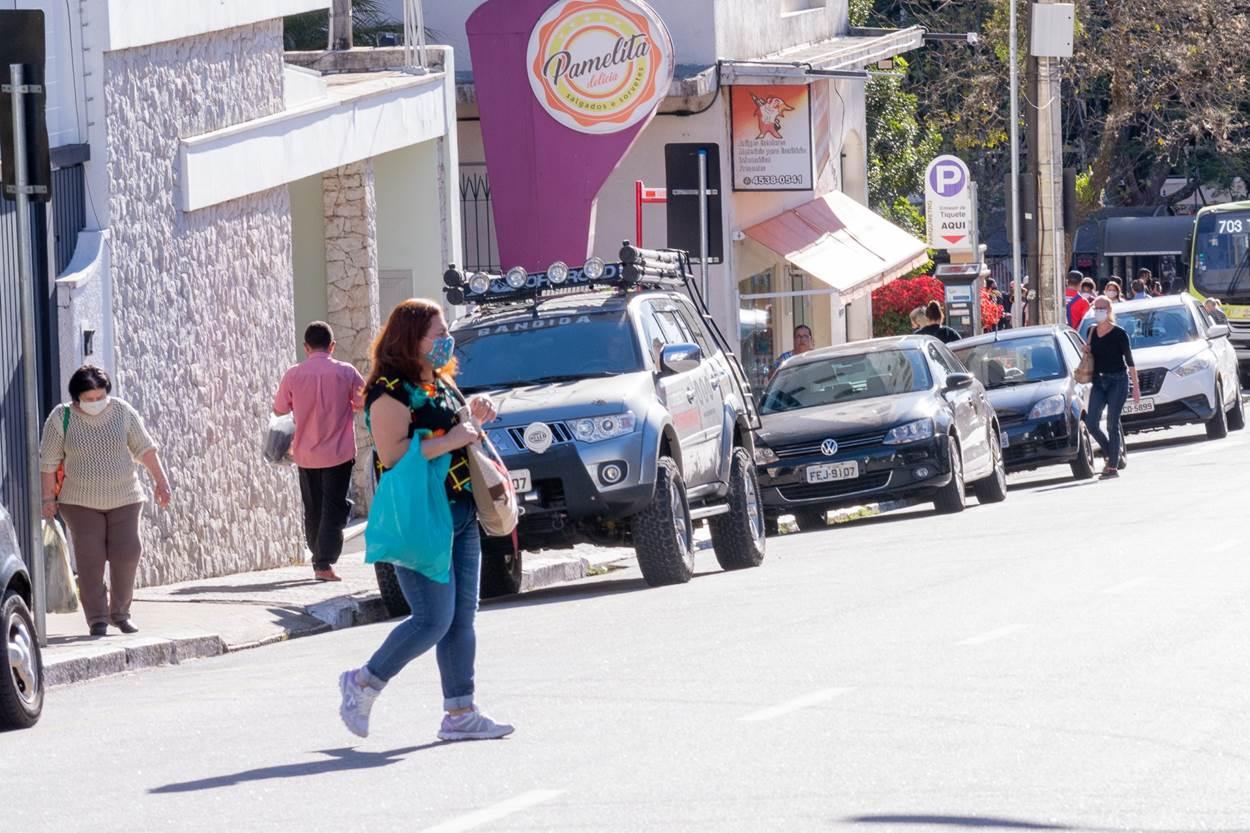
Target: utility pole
{"points": [[1051, 39], [341, 25], [1017, 274]]}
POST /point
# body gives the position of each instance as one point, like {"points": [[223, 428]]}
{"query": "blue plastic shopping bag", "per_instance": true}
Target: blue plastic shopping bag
{"points": [[410, 520]]}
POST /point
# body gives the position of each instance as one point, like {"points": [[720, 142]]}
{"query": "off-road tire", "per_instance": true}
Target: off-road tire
{"points": [[1217, 425], [950, 498], [501, 567], [1083, 466], [811, 519], [20, 702], [665, 552], [993, 489], [388, 587], [1237, 416], [734, 535]]}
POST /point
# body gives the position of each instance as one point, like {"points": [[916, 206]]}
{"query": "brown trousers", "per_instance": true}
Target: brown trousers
{"points": [[102, 538]]}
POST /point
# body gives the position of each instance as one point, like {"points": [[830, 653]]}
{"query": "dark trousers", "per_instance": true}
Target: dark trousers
{"points": [[1109, 392], [326, 508]]}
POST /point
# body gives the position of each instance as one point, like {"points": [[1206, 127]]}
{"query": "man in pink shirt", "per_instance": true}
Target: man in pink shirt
{"points": [[324, 394]]}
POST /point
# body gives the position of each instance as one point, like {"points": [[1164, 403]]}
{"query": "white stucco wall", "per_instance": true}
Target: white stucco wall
{"points": [[62, 69], [202, 303], [409, 229], [308, 256], [83, 299], [702, 30]]}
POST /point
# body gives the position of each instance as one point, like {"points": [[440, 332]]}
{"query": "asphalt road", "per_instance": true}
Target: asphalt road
{"points": [[1072, 659]]}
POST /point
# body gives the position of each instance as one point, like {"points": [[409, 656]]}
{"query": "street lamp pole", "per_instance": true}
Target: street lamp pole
{"points": [[1017, 308]]}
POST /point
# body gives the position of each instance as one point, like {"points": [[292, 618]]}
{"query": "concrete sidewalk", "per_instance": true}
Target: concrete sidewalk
{"points": [[206, 618]]}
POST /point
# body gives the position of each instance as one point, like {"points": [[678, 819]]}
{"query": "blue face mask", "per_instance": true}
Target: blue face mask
{"points": [[440, 353]]}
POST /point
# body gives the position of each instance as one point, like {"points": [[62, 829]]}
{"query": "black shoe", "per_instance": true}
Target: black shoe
{"points": [[1108, 474], [99, 629], [126, 626]]}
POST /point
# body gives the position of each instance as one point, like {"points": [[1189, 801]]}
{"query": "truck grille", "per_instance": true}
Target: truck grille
{"points": [[1151, 380], [810, 448], [559, 434]]}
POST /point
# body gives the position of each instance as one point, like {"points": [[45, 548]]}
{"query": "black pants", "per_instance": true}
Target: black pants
{"points": [[326, 508]]}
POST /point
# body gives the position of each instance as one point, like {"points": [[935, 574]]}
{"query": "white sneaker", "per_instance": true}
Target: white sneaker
{"points": [[472, 726], [357, 701]]}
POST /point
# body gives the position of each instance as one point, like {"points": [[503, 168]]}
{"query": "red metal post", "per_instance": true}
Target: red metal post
{"points": [[638, 212]]}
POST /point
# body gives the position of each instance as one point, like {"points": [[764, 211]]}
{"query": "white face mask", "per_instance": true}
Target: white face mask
{"points": [[1100, 315], [94, 408]]}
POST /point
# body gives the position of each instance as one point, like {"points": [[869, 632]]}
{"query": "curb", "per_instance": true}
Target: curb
{"points": [[93, 660]]}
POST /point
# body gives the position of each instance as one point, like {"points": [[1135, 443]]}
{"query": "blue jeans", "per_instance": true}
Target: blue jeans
{"points": [[442, 615], [1109, 392]]}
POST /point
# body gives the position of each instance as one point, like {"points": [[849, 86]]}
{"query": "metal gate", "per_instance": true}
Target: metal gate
{"points": [[477, 220], [68, 217]]}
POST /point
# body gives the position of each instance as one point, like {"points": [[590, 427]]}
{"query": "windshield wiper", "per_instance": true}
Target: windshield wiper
{"points": [[553, 379], [1241, 270]]}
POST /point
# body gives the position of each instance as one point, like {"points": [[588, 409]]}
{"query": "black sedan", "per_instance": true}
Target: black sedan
{"points": [[875, 420], [1029, 375]]}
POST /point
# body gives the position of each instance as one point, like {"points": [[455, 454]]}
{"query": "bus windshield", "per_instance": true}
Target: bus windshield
{"points": [[1221, 265]]}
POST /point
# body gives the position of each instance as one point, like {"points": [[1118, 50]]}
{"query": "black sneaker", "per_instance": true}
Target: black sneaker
{"points": [[99, 629], [126, 626]]}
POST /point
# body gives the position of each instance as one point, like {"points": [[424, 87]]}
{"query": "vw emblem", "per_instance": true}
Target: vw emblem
{"points": [[829, 447]]}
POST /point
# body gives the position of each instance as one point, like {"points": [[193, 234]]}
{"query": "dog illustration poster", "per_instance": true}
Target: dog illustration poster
{"points": [[772, 137]]}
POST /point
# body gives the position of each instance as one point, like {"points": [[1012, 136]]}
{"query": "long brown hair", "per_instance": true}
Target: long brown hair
{"points": [[396, 352]]}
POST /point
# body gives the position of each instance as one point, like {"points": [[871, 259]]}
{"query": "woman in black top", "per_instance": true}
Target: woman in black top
{"points": [[935, 327], [1113, 365], [412, 407]]}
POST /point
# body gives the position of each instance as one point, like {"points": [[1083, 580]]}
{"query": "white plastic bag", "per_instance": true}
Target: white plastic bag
{"points": [[278, 437], [60, 591]]}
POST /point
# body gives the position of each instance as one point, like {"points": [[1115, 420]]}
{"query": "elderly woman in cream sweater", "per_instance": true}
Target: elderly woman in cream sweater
{"points": [[96, 439]]}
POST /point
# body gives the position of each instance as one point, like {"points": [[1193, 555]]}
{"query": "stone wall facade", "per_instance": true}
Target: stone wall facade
{"points": [[351, 214], [202, 303]]}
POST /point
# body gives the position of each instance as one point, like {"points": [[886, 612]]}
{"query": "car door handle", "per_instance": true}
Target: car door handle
{"points": [[690, 394]]}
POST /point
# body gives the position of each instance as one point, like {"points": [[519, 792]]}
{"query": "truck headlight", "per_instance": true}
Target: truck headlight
{"points": [[911, 432], [1049, 407], [597, 429], [1198, 364], [764, 456]]}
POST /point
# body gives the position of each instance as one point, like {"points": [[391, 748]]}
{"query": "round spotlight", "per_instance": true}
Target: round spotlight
{"points": [[516, 277], [594, 269], [479, 284], [453, 277], [611, 474], [558, 272]]}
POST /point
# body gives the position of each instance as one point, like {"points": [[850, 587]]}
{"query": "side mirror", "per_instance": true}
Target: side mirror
{"points": [[958, 381], [1217, 331], [678, 358]]}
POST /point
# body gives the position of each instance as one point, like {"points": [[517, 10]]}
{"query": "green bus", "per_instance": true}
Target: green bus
{"points": [[1219, 267]]}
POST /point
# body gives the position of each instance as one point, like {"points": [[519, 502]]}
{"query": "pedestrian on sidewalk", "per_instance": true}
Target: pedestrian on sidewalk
{"points": [[324, 394], [1139, 290], [918, 319], [411, 407], [94, 440], [1112, 290], [1113, 371], [936, 327]]}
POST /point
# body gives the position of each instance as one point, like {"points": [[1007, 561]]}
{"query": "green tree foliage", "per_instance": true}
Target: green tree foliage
{"points": [[900, 147], [310, 31]]}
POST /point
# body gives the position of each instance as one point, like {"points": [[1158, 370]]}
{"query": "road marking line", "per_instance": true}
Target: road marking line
{"points": [[997, 633], [794, 705], [1225, 546], [1125, 586], [494, 812]]}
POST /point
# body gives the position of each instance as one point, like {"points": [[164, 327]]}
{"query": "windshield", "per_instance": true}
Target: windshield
{"points": [[1222, 255], [1153, 327], [548, 348], [1020, 361], [846, 379]]}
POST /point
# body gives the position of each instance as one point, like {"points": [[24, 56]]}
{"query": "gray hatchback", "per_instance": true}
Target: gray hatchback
{"points": [[21, 683]]}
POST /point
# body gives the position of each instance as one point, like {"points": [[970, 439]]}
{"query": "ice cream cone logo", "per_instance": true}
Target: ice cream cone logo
{"points": [[600, 66]]}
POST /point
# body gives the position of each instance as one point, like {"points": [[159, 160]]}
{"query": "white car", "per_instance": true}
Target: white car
{"points": [[1186, 366]]}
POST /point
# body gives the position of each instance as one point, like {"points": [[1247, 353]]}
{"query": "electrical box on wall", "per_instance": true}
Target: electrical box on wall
{"points": [[1053, 30]]}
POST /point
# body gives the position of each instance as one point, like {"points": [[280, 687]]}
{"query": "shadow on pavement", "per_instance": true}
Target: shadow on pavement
{"points": [[1164, 443], [212, 589], [337, 760], [995, 823], [567, 593], [1040, 484]]}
